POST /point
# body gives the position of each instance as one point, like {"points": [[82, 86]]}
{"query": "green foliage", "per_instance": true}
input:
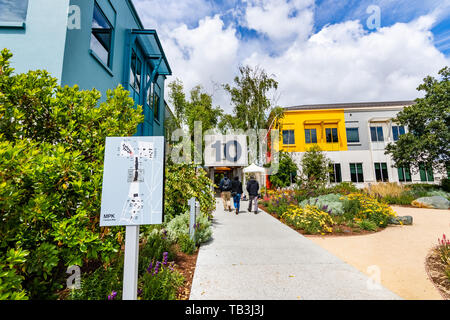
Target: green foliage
{"points": [[99, 284], [51, 165], [183, 183], [428, 124], [445, 185], [153, 249], [187, 245], [330, 203], [287, 172], [10, 278], [315, 168], [162, 285], [367, 225], [179, 226]]}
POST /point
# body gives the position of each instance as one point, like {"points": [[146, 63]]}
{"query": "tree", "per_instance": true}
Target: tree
{"points": [[51, 167], [315, 168], [428, 121], [249, 95], [287, 172]]}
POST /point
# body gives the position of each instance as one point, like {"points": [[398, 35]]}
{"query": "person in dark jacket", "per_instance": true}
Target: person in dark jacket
{"points": [[225, 189], [253, 191], [236, 192]]}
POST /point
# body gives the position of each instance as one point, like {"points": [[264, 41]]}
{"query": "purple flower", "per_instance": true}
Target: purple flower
{"points": [[112, 295], [165, 257], [150, 267], [158, 264], [139, 292]]}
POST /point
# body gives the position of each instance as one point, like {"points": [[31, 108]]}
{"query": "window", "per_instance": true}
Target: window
{"points": [[332, 135], [288, 137], [13, 11], [352, 135], [335, 173], [381, 172], [135, 72], [376, 134], [397, 131], [310, 136], [404, 174], [156, 101], [101, 37], [426, 172], [356, 172]]}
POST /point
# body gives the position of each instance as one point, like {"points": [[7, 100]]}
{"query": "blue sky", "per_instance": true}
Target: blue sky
{"points": [[320, 51]]}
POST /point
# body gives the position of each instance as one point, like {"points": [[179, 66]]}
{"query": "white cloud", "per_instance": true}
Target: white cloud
{"points": [[279, 19], [344, 63]]}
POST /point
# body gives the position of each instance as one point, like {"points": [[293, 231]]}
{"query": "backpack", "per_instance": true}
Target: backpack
{"points": [[226, 185]]}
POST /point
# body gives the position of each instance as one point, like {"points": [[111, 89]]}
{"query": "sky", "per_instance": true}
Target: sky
{"points": [[323, 51]]}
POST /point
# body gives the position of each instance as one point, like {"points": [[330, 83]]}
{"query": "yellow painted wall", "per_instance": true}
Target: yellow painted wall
{"points": [[299, 120]]}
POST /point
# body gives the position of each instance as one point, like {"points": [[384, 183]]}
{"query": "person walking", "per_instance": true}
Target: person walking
{"points": [[253, 191], [225, 189], [236, 192]]}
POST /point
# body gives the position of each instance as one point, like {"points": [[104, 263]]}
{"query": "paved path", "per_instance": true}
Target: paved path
{"points": [[398, 251], [257, 257]]}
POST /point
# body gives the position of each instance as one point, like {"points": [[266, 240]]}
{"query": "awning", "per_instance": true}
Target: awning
{"points": [[153, 51], [253, 168]]}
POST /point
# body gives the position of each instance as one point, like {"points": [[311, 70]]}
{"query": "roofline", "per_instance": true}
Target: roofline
{"points": [[351, 105], [135, 14]]}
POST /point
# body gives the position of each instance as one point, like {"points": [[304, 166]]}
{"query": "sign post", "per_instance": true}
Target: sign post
{"points": [[192, 217], [132, 195]]}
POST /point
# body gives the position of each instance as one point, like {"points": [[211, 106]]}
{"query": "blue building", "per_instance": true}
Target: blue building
{"points": [[90, 43]]}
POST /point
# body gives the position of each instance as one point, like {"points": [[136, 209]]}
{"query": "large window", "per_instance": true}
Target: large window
{"points": [[310, 135], [352, 135], [426, 173], [377, 134], [335, 173], [332, 135], [356, 172], [381, 171], [156, 101], [288, 137], [135, 72], [13, 10], [101, 37], [404, 174], [397, 131]]}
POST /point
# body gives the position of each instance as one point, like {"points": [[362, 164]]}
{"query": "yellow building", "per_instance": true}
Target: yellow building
{"points": [[301, 129]]}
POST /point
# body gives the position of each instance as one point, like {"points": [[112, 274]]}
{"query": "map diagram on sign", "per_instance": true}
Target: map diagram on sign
{"points": [[132, 181]]}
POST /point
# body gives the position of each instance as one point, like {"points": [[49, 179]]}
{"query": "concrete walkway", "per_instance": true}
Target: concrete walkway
{"points": [[257, 257]]}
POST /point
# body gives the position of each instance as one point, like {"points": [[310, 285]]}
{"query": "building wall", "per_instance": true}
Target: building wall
{"points": [[313, 119], [41, 43]]}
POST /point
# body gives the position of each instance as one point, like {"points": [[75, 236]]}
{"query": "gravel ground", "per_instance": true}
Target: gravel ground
{"points": [[398, 252]]}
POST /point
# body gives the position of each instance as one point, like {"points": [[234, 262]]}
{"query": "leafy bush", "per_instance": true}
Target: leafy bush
{"points": [[287, 172], [51, 165], [179, 226], [10, 280], [153, 248], [184, 183], [330, 203], [315, 168], [343, 188], [187, 245], [367, 225], [310, 219], [159, 282], [359, 207], [445, 184]]}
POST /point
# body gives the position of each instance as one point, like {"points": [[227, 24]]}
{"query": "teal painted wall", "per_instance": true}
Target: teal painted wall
{"points": [[41, 44], [83, 69]]}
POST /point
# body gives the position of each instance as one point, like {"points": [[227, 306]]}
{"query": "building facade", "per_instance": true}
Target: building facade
{"points": [[354, 137], [90, 43]]}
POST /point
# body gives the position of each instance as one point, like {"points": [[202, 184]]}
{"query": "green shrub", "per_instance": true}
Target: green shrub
{"points": [[179, 226], [367, 225], [187, 245], [160, 282], [101, 283], [51, 166], [183, 182], [445, 184], [10, 279], [343, 188], [153, 249], [330, 203]]}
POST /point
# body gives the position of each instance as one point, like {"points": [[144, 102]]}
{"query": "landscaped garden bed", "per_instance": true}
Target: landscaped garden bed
{"points": [[340, 210], [437, 264]]}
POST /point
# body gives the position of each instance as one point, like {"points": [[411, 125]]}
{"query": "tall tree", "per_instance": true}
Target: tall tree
{"points": [[428, 121], [249, 96]]}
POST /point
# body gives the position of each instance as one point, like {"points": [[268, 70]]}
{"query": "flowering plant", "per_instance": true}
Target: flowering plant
{"points": [[311, 219]]}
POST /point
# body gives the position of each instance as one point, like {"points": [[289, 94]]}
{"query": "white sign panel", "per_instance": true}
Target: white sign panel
{"points": [[133, 181], [226, 150]]}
